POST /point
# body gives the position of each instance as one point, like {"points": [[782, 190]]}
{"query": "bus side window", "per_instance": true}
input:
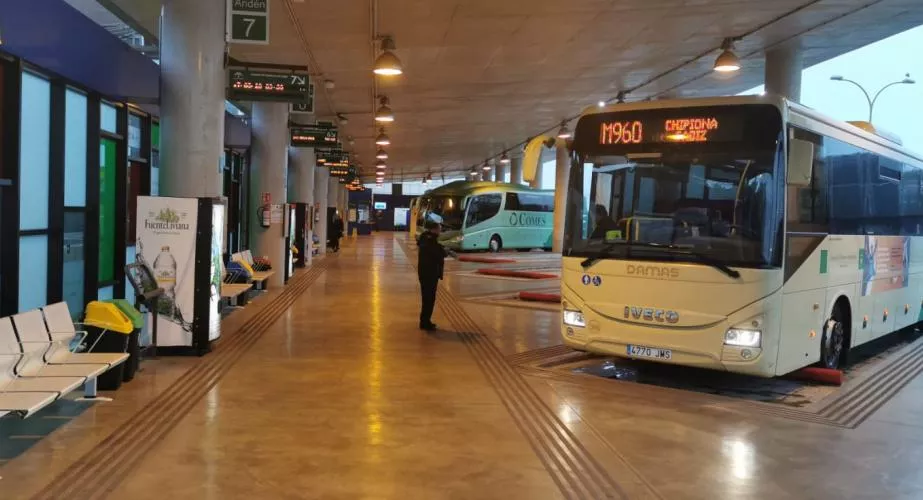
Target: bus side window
{"points": [[483, 207], [512, 202]]}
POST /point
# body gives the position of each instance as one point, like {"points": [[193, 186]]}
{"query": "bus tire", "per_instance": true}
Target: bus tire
{"points": [[496, 244], [835, 342]]}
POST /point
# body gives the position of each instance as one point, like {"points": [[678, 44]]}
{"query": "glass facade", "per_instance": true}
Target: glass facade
{"points": [[75, 197]]}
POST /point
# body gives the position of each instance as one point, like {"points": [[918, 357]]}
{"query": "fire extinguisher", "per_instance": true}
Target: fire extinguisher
{"points": [[263, 213]]}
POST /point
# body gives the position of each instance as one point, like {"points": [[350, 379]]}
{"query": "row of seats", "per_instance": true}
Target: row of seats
{"points": [[38, 362], [242, 274]]}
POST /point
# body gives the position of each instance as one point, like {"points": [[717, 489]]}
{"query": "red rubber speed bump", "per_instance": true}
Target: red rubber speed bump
{"points": [[540, 297], [485, 260], [510, 273], [821, 375]]}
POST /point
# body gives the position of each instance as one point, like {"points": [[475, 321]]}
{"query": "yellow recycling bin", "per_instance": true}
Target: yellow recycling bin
{"points": [[108, 330]]}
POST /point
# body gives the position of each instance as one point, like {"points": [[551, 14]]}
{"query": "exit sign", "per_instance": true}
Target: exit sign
{"points": [[248, 21]]}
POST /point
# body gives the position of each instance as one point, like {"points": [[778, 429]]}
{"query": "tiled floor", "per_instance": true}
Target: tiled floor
{"points": [[342, 397]]}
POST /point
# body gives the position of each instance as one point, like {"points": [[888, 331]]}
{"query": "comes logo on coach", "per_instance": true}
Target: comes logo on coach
{"points": [[662, 272], [526, 220]]}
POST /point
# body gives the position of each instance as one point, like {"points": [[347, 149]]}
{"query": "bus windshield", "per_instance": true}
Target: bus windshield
{"points": [[449, 208], [724, 205]]}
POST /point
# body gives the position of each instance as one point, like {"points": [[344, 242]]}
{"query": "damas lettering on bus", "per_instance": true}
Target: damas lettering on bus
{"points": [[526, 219], [661, 272]]}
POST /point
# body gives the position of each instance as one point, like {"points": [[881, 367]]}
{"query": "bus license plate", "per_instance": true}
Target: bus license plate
{"points": [[640, 351]]}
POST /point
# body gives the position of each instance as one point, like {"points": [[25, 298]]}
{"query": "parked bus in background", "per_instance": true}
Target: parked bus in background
{"points": [[480, 215], [747, 234]]}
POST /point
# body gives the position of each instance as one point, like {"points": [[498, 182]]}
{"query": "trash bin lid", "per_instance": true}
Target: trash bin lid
{"points": [[137, 319], [107, 316]]}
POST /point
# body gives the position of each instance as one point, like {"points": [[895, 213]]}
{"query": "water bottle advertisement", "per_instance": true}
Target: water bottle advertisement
{"points": [[167, 233]]}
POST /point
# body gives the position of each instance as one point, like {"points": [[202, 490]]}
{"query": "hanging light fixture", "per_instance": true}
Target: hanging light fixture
{"points": [[381, 154], [485, 167], [564, 132], [382, 139], [387, 64], [727, 61], [381, 165], [504, 158], [384, 113], [424, 180], [474, 172]]}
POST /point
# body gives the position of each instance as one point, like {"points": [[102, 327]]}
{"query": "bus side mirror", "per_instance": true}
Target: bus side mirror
{"points": [[800, 162]]}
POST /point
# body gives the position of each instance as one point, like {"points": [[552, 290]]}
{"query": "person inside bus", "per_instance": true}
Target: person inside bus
{"points": [[430, 263], [604, 223]]}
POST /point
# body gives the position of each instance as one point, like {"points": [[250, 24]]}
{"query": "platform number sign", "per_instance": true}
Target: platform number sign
{"points": [[248, 21]]}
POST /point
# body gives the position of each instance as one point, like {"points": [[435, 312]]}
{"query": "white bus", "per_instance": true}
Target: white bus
{"points": [[747, 234]]}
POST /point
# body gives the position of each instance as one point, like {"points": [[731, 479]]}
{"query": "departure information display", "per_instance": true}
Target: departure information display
{"points": [[264, 85], [678, 128], [311, 136]]}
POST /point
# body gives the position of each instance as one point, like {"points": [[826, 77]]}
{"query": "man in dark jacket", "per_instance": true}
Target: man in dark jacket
{"points": [[430, 262]]}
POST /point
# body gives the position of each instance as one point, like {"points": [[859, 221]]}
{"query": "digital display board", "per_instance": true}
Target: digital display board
{"points": [[311, 136], [263, 85], [679, 128], [638, 130], [340, 171], [332, 158]]}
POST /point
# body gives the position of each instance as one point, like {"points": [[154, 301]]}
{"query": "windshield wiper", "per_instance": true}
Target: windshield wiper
{"points": [[676, 249]]}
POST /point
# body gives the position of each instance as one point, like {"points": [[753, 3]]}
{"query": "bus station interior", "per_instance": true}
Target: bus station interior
{"points": [[265, 362]]}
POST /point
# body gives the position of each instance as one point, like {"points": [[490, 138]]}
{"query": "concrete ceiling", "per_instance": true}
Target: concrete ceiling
{"points": [[483, 75]]}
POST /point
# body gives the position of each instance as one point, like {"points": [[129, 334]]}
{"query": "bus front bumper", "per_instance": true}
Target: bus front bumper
{"points": [[698, 347]]}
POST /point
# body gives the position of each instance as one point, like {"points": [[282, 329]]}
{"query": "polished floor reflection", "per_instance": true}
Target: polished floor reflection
{"points": [[340, 396]]}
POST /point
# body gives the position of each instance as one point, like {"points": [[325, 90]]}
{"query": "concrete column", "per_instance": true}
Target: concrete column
{"points": [[492, 174], [321, 181], [302, 161], [192, 83], [516, 170], [268, 169], [502, 170], [784, 65], [562, 173]]}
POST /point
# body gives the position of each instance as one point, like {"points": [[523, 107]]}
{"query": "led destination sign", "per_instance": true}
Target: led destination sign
{"points": [[695, 129]]}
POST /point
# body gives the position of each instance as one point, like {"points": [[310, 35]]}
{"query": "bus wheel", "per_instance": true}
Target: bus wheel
{"points": [[495, 244], [833, 341]]}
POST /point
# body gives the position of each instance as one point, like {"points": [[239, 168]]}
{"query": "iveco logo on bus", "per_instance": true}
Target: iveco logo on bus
{"points": [[663, 272], [526, 220], [651, 314]]}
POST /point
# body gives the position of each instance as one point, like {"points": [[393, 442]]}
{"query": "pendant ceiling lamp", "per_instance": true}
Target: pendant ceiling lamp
{"points": [[382, 139], [504, 159], [564, 132], [727, 61], [381, 154], [384, 113], [381, 165], [387, 64]]}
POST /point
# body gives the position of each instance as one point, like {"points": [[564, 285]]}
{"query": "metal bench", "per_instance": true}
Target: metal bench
{"points": [[230, 288], [62, 328], [259, 277], [23, 396]]}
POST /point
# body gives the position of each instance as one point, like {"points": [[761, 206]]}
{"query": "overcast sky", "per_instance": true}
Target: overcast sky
{"points": [[873, 66]]}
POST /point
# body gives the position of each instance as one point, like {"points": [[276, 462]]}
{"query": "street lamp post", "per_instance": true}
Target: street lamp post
{"points": [[871, 100]]}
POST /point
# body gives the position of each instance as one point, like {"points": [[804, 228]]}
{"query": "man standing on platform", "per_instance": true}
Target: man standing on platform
{"points": [[430, 263]]}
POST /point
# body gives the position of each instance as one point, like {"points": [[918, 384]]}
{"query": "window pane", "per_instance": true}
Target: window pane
{"points": [[129, 290], [73, 279], [134, 135], [105, 293], [34, 144], [107, 118], [75, 150], [33, 284], [106, 210]]}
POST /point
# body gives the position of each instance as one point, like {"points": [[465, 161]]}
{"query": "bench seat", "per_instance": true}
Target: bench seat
{"points": [[61, 329], [25, 404], [60, 385]]}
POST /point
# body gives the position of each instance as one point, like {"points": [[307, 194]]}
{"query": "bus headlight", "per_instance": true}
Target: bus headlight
{"points": [[574, 318], [743, 338]]}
